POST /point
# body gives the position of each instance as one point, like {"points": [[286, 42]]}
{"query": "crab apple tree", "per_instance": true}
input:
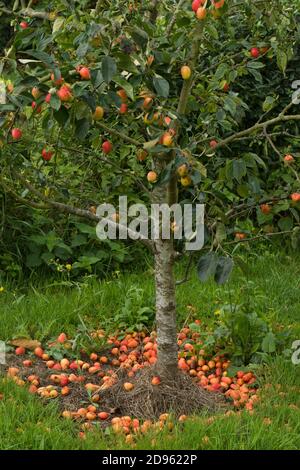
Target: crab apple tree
{"points": [[150, 99]]}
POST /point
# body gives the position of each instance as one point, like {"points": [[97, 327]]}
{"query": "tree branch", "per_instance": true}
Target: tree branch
{"points": [[116, 133], [29, 12], [282, 117], [187, 270], [79, 212], [258, 237]]}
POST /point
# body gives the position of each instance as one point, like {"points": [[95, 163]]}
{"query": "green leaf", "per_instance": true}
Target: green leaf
{"points": [[238, 169], [255, 64], [207, 266], [220, 232], [82, 128], [161, 86], [55, 102], [269, 343], [285, 223], [58, 24], [61, 116], [282, 60], [269, 103], [223, 270], [108, 68], [42, 57], [140, 37], [296, 238], [221, 71]]}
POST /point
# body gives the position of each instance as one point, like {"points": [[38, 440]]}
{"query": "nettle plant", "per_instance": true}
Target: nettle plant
{"points": [[146, 97]]}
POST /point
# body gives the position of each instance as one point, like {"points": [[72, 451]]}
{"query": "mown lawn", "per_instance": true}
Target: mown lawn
{"points": [[44, 311]]}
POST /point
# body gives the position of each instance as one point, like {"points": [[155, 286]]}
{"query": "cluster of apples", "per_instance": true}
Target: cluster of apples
{"points": [[131, 353], [131, 428], [200, 8]]}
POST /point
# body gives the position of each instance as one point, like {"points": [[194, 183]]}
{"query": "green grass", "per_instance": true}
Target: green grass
{"points": [[44, 311]]}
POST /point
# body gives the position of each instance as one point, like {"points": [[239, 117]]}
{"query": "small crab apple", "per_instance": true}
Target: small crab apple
{"points": [[265, 208], [289, 158], [295, 197], [107, 146], [196, 4], [182, 170], [255, 52], [147, 103], [16, 133], [38, 352], [62, 338], [36, 108], [27, 363], [167, 139], [185, 181], [123, 108], [155, 380], [152, 176], [218, 4], [10, 87], [85, 73], [98, 114], [141, 155], [201, 13], [35, 92], [185, 72], [128, 386], [213, 144], [20, 351], [47, 155], [226, 87], [122, 94], [48, 98], [24, 25], [240, 235], [65, 93]]}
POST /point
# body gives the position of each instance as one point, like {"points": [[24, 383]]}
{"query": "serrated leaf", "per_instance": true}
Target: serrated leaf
{"points": [[161, 86], [108, 68]]}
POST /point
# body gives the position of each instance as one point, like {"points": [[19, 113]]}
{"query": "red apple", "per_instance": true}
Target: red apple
{"points": [[47, 155], [85, 74], [255, 52], [24, 25], [65, 93], [107, 147], [16, 133], [20, 351], [62, 338]]}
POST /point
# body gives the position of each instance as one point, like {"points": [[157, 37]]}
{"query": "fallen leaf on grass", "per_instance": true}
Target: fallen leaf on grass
{"points": [[25, 343]]}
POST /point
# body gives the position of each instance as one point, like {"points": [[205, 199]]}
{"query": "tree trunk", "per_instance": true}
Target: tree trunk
{"points": [[166, 309], [167, 361]]}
